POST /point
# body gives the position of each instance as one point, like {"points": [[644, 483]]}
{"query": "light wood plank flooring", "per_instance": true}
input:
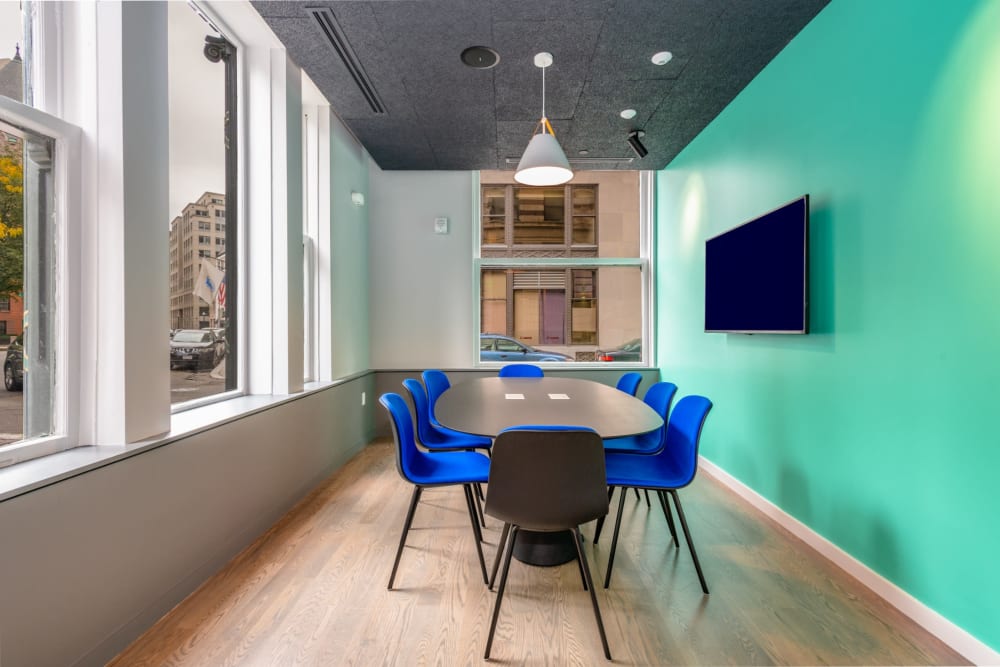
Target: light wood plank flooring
{"points": [[312, 591]]}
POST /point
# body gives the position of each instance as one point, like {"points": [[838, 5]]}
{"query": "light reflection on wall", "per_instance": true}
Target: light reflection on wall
{"points": [[693, 212]]}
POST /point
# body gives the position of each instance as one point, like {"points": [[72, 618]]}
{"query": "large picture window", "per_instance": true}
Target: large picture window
{"points": [[562, 270], [203, 331]]}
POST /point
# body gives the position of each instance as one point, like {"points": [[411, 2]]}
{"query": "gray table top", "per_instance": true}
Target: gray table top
{"points": [[486, 406]]}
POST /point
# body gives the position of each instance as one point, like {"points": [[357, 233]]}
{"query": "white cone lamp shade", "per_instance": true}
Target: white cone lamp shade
{"points": [[543, 162]]}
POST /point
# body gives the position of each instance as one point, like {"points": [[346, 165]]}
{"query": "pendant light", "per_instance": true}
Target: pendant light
{"points": [[543, 161]]}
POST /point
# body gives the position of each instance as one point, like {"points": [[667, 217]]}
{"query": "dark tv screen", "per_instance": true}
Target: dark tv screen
{"points": [[757, 274]]}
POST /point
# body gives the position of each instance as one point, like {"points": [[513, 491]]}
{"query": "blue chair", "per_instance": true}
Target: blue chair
{"points": [[521, 371], [658, 397], [673, 468], [546, 479], [629, 383], [425, 470], [439, 438], [436, 383]]}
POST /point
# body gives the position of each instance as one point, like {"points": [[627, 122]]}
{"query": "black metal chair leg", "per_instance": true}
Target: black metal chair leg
{"points": [[475, 528], [470, 504], [496, 559], [406, 528], [614, 539], [477, 497], [646, 493], [600, 520], [637, 497], [687, 536], [589, 584], [662, 495], [583, 575], [503, 585]]}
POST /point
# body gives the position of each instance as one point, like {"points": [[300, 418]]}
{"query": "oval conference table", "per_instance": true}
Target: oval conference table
{"points": [[487, 406]]}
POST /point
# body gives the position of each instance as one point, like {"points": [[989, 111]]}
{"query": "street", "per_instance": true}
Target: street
{"points": [[10, 416], [185, 385]]}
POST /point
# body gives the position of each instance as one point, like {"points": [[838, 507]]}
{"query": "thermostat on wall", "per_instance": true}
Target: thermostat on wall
{"points": [[440, 225]]}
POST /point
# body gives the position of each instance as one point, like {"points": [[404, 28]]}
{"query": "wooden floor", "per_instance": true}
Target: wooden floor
{"points": [[312, 591]]}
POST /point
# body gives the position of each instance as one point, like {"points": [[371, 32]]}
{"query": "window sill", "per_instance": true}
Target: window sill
{"points": [[35, 474]]}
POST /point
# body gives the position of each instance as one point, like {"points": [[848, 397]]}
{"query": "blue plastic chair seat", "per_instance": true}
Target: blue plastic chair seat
{"points": [[647, 443], [450, 468], [651, 472]]}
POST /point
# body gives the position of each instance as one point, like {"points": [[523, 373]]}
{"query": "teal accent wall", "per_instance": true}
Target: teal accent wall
{"points": [[881, 429]]}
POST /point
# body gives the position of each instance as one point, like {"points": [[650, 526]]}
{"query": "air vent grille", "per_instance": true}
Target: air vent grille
{"points": [[338, 41]]}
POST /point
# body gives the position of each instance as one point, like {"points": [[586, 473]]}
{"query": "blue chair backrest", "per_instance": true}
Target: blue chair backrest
{"points": [[410, 461], [421, 409], [436, 383], [684, 433], [521, 371], [629, 383], [659, 397]]}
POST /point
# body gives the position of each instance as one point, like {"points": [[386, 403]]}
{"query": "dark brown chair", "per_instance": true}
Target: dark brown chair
{"points": [[547, 479]]}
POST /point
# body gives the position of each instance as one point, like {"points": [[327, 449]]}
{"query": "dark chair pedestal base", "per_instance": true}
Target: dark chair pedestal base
{"points": [[544, 548]]}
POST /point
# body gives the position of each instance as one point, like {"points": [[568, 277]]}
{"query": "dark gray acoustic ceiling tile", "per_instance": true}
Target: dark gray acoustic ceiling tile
{"points": [[468, 130], [394, 144], [428, 37], [639, 28], [545, 10], [608, 99], [457, 157], [519, 82], [282, 8]]}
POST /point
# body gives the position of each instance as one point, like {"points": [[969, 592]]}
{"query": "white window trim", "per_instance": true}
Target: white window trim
{"points": [[67, 389], [644, 262]]}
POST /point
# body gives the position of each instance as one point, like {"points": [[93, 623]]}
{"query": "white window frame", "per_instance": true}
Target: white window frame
{"points": [[66, 381], [644, 262]]}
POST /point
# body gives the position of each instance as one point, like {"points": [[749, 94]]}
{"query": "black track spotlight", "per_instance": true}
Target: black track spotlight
{"points": [[635, 144]]}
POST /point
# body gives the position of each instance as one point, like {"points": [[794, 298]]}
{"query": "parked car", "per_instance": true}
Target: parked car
{"points": [[629, 351], [494, 347], [13, 365], [196, 348]]}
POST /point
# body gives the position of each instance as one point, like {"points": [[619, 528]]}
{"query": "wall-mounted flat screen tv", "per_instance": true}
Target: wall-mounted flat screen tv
{"points": [[757, 274]]}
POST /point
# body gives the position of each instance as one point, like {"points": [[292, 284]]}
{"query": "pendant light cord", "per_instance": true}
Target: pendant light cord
{"points": [[544, 120]]}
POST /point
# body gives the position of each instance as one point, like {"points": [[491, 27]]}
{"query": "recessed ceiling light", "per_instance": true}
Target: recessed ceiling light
{"points": [[583, 151], [628, 114], [662, 57], [480, 57]]}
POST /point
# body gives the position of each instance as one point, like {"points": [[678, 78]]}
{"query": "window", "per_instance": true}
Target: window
{"points": [[5, 301], [34, 268], [563, 268], [203, 179]]}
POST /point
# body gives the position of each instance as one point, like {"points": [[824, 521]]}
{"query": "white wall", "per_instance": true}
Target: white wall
{"points": [[421, 282]]}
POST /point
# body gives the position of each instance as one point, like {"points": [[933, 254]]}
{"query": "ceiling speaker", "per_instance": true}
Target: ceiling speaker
{"points": [[480, 57]]}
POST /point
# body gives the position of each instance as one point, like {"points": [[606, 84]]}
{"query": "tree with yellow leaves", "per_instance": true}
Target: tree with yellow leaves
{"points": [[12, 222]]}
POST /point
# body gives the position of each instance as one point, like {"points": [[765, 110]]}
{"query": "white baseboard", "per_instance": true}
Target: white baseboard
{"points": [[958, 639]]}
